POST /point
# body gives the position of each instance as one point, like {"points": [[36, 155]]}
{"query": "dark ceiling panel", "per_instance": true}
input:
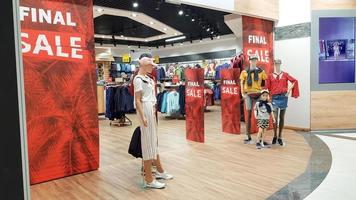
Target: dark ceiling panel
{"points": [[114, 25], [168, 14]]}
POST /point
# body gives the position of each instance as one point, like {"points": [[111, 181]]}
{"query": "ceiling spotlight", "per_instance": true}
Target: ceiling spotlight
{"points": [[135, 4], [151, 23], [175, 33], [125, 38], [193, 20], [99, 10], [134, 15], [146, 40], [122, 36], [208, 29], [200, 40], [165, 29], [212, 32], [218, 37], [180, 12], [159, 37]]}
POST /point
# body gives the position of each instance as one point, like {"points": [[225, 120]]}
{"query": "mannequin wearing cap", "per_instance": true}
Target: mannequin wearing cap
{"points": [[281, 85], [263, 111], [252, 80], [145, 102]]}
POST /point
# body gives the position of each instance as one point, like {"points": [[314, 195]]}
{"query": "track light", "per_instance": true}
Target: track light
{"points": [[208, 29], [180, 12]]}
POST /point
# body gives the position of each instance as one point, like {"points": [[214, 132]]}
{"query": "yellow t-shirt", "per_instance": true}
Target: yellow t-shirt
{"points": [[256, 85]]}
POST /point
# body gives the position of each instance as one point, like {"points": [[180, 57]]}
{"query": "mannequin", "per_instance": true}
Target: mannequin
{"points": [[252, 80], [278, 85]]}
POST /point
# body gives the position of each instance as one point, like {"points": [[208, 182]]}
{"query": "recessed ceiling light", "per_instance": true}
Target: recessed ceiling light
{"points": [[146, 40], [100, 10], [180, 12], [135, 4], [175, 33], [125, 38], [134, 15], [122, 36], [151, 23], [193, 20], [165, 29]]}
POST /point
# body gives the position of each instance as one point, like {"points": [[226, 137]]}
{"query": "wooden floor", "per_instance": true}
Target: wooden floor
{"points": [[333, 110], [221, 168]]}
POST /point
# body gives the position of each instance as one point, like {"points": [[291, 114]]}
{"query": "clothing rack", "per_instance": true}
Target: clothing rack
{"points": [[117, 118]]}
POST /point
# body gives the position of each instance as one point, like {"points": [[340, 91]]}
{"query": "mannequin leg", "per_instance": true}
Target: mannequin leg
{"points": [[147, 164], [158, 164], [281, 122], [275, 125], [248, 123]]}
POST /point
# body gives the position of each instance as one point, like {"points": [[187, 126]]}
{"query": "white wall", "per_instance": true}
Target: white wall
{"points": [[295, 55], [294, 12]]}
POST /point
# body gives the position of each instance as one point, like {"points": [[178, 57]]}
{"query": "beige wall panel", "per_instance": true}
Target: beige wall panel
{"points": [[258, 8], [333, 4], [333, 110]]}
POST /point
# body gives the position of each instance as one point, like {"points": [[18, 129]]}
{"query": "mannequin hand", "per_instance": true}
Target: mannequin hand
{"points": [[244, 95], [145, 122]]}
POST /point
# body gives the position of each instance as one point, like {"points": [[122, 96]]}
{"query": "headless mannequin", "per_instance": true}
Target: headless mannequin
{"points": [[278, 113]]}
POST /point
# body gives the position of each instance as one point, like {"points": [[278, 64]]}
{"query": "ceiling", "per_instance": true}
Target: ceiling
{"points": [[143, 33]]}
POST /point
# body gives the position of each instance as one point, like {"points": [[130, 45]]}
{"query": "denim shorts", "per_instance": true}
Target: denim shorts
{"points": [[251, 99], [280, 101]]}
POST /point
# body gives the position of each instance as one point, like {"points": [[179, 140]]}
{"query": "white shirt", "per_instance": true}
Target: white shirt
{"points": [[147, 89]]}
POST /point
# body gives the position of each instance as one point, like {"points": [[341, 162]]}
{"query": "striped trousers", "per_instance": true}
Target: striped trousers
{"points": [[149, 139]]}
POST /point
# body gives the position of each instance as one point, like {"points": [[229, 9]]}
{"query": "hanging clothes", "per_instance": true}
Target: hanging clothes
{"points": [[181, 91], [173, 102], [118, 102]]}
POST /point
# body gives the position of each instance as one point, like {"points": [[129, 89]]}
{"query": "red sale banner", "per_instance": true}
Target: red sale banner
{"points": [[194, 104], [257, 39], [230, 100], [60, 87]]}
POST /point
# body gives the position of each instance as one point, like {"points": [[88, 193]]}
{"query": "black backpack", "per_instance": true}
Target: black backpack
{"points": [[135, 148]]}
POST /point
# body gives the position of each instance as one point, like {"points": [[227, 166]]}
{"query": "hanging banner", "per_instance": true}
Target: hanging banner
{"points": [[230, 100], [194, 104], [60, 87], [257, 39]]}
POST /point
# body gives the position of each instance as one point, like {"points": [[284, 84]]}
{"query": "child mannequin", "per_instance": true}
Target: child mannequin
{"points": [[263, 110]]}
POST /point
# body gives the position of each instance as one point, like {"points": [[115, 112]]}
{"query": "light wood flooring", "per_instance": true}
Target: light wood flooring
{"points": [[333, 110], [221, 168]]}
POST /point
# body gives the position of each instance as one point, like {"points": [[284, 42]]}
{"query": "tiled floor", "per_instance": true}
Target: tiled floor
{"points": [[340, 182]]}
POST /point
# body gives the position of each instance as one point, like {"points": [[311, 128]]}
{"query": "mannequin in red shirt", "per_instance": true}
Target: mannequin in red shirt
{"points": [[281, 85]]}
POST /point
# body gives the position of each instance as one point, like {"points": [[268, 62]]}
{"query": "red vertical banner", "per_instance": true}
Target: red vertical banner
{"points": [[230, 100], [194, 104], [257, 39], [60, 87]]}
